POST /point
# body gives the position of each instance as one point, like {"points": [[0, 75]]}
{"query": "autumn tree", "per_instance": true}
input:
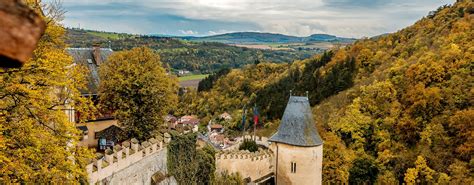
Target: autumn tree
{"points": [[38, 143], [140, 92]]}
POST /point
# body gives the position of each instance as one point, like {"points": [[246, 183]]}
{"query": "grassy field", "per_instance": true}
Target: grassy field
{"points": [[192, 77], [105, 35], [291, 46]]}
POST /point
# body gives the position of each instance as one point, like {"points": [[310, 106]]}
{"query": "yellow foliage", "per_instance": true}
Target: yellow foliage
{"points": [[38, 144]]}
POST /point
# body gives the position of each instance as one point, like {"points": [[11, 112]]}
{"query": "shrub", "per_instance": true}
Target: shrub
{"points": [[249, 145]]}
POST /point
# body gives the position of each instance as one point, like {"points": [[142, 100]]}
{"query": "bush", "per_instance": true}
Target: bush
{"points": [[228, 178], [249, 145]]}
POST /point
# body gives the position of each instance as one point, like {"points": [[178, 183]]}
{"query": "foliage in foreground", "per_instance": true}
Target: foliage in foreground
{"points": [[135, 86], [37, 141]]}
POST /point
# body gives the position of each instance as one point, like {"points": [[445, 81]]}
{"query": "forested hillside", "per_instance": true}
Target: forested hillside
{"points": [[203, 57], [394, 109]]}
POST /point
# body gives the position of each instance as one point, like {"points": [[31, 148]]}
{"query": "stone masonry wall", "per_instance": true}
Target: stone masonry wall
{"points": [[129, 163], [141, 171], [253, 165]]}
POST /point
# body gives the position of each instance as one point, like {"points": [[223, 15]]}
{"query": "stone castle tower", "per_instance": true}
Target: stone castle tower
{"points": [[297, 146]]}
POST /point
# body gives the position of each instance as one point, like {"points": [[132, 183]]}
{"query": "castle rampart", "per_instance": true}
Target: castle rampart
{"points": [[123, 157], [251, 165]]}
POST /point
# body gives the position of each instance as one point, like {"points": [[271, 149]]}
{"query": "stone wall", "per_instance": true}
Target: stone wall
{"points": [[250, 165], [129, 163], [308, 161]]}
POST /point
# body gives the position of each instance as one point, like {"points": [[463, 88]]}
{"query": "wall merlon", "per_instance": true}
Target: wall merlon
{"points": [[120, 157], [232, 155], [240, 161]]}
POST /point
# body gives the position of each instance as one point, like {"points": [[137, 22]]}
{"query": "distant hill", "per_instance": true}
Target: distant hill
{"points": [[263, 38], [228, 38], [199, 57]]}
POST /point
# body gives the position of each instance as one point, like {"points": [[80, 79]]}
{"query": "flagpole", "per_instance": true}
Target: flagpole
{"points": [[254, 124], [244, 114]]}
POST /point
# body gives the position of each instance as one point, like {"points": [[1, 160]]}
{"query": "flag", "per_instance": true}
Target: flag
{"points": [[244, 113], [255, 115]]}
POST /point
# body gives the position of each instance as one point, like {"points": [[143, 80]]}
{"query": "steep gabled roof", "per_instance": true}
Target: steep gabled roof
{"points": [[216, 126], [112, 132], [85, 57], [297, 125]]}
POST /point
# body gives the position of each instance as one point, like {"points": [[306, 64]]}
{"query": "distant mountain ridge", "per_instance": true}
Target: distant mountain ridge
{"points": [[258, 37], [229, 38]]}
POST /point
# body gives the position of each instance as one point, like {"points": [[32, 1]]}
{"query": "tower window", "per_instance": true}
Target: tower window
{"points": [[293, 167]]}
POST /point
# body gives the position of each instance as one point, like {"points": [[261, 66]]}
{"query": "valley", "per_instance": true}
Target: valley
{"points": [[205, 55]]}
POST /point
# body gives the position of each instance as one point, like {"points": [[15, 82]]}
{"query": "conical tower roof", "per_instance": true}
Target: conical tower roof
{"points": [[297, 126]]}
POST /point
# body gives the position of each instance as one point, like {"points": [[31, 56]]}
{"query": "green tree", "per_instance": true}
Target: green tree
{"points": [[205, 159], [364, 170], [225, 178], [135, 86], [188, 164]]}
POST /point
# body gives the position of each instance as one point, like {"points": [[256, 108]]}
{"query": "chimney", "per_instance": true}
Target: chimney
{"points": [[96, 54]]}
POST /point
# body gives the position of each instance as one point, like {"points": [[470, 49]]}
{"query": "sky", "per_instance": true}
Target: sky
{"points": [[346, 18]]}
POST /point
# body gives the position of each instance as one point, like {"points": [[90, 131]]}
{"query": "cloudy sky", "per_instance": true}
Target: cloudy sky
{"points": [[348, 18]]}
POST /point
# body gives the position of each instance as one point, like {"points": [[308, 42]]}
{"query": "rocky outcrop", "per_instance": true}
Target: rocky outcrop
{"points": [[20, 30]]}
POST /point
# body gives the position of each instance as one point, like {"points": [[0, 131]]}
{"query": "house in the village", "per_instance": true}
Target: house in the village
{"points": [[183, 72], [92, 59], [171, 121], [218, 140], [189, 122], [110, 136], [217, 128], [225, 116]]}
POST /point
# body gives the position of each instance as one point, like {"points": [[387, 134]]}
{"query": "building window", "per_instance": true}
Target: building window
{"points": [[293, 167]]}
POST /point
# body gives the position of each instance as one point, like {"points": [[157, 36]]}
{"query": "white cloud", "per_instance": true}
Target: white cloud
{"points": [[350, 18], [188, 32], [218, 32]]}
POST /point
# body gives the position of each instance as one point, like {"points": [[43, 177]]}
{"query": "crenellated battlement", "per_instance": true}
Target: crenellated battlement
{"points": [[251, 165], [245, 155], [122, 156]]}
